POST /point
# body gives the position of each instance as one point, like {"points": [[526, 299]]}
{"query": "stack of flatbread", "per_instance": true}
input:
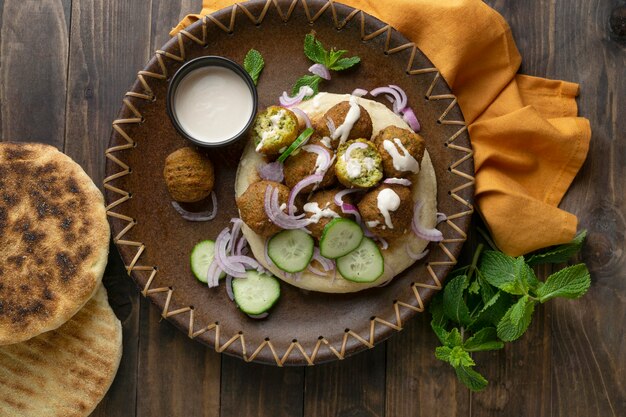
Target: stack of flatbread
{"points": [[60, 342]]}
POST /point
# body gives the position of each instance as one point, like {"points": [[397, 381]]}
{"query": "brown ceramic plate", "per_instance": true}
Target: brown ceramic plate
{"points": [[155, 242]]}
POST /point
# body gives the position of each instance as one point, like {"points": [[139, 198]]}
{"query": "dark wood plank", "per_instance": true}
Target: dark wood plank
{"points": [[34, 40], [108, 45], [354, 387], [418, 385], [254, 390], [177, 376]]}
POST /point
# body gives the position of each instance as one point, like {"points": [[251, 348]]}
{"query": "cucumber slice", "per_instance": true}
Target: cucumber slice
{"points": [[364, 264], [291, 250], [201, 258], [340, 237], [256, 293], [296, 143]]}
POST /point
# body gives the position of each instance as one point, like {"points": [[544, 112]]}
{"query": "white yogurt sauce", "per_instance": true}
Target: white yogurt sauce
{"points": [[353, 168], [318, 213], [372, 223], [401, 162], [213, 104], [352, 116], [388, 201]]}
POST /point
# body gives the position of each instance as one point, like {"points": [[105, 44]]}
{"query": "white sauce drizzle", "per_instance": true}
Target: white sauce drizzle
{"points": [[316, 101], [326, 141], [372, 223], [353, 115], [317, 212], [275, 120], [368, 163], [308, 91], [353, 168], [388, 201], [404, 161]]}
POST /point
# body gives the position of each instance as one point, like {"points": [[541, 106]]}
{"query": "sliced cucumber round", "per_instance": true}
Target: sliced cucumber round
{"points": [[291, 250], [202, 256], [256, 293], [340, 237], [364, 264]]}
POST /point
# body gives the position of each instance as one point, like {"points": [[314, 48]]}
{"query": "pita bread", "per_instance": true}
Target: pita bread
{"points": [[424, 188], [54, 240], [65, 372]]}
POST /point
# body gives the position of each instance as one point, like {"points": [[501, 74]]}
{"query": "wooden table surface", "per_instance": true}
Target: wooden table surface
{"points": [[64, 67]]}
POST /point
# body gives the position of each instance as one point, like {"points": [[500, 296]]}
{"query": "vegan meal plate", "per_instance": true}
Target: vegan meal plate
{"points": [[335, 216]]}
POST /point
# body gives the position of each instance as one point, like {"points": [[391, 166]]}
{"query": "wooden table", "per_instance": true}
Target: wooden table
{"points": [[64, 67]]}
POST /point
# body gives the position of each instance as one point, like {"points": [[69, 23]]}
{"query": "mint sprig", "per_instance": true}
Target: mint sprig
{"points": [[253, 63], [332, 59], [492, 301]]}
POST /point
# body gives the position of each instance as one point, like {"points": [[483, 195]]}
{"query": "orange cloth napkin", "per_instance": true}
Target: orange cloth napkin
{"points": [[527, 140]]}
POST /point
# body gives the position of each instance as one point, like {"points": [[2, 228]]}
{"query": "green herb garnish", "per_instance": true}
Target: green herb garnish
{"points": [[492, 300], [253, 64], [333, 60]]}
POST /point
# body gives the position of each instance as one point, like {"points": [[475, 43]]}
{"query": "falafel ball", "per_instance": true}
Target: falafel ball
{"points": [[274, 129], [401, 150], [321, 207], [189, 175], [362, 168], [251, 207], [362, 128], [397, 210], [303, 163]]}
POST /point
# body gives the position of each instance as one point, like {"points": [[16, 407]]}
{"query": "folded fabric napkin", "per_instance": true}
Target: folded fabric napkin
{"points": [[527, 140]]}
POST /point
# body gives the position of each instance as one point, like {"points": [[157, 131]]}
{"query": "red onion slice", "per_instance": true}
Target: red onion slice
{"points": [[302, 114], [277, 216], [339, 196], [331, 126], [359, 92], [441, 217], [237, 223], [432, 235], [398, 181], [323, 152], [272, 172], [321, 70], [355, 145], [391, 91], [351, 209], [258, 316], [229, 288], [287, 101], [203, 216], [384, 245], [404, 100], [326, 263], [415, 256], [311, 179], [316, 271], [408, 115], [213, 275], [221, 243]]}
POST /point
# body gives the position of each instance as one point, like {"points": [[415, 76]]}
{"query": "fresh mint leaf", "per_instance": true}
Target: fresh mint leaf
{"points": [[529, 276], [516, 320], [441, 333], [455, 356], [474, 287], [485, 339], [570, 282], [454, 305], [436, 309], [504, 272], [472, 379], [559, 254], [312, 81], [487, 291], [492, 312], [345, 63], [454, 338], [314, 50], [253, 64]]}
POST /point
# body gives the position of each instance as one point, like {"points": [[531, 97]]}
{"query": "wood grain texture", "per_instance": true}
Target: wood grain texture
{"points": [[86, 54], [34, 40], [354, 387], [254, 390]]}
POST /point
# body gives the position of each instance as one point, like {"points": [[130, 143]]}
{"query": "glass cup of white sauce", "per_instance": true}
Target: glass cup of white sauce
{"points": [[212, 101]]}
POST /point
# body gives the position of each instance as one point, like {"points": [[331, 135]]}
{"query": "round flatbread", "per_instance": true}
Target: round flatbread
{"points": [[65, 372], [424, 188], [54, 240]]}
